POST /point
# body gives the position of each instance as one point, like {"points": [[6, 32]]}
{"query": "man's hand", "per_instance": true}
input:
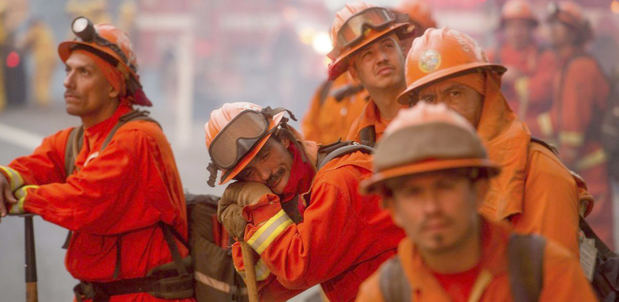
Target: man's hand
{"points": [[230, 207], [6, 196]]}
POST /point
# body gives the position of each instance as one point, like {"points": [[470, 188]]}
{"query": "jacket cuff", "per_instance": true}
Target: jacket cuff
{"points": [[13, 177], [268, 231], [21, 194]]}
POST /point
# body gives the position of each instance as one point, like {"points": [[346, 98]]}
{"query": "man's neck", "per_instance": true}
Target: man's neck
{"points": [[385, 100], [459, 259], [99, 116]]}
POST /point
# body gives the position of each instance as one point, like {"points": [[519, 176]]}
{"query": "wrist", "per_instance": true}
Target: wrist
{"points": [[21, 194], [13, 177]]}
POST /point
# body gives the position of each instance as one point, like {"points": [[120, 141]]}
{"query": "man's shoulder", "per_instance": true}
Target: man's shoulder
{"points": [[543, 159]]}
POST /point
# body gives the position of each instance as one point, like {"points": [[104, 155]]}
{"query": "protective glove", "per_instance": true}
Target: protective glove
{"points": [[9, 182], [239, 195], [20, 194]]}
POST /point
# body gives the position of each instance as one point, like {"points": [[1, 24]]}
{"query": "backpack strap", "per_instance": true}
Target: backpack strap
{"points": [[545, 144], [525, 255], [324, 91], [367, 136], [348, 148], [393, 283], [346, 91]]}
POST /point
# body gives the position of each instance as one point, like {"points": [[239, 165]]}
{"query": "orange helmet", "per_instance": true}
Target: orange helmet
{"points": [[441, 53], [235, 133], [112, 45], [518, 9], [419, 12], [426, 138], [571, 14], [357, 25]]}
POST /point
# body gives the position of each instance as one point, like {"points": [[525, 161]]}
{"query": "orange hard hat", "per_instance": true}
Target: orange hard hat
{"points": [[110, 44], [518, 10], [426, 138], [419, 12], [572, 15], [238, 140], [340, 54], [441, 53]]}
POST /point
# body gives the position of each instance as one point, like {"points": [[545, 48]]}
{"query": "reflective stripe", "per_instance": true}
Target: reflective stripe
{"points": [[216, 284], [269, 231], [545, 124], [521, 85], [574, 139], [262, 271], [21, 195], [480, 285], [592, 159], [15, 179]]}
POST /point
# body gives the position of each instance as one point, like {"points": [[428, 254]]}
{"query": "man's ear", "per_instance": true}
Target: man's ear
{"points": [[352, 71], [114, 93]]}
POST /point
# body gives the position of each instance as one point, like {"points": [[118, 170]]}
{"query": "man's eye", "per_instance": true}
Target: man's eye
{"points": [[454, 93], [428, 99]]}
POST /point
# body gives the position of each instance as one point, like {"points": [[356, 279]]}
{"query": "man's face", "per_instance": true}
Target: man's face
{"points": [[458, 97], [559, 34], [518, 33], [87, 91], [271, 166], [437, 210], [379, 65]]}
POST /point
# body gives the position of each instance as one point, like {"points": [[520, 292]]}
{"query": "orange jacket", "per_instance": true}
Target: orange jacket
{"points": [[534, 191], [343, 238], [581, 93], [114, 200], [563, 278], [531, 94], [329, 119], [370, 116]]}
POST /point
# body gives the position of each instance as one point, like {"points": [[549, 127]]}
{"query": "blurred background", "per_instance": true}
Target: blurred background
{"points": [[193, 56]]}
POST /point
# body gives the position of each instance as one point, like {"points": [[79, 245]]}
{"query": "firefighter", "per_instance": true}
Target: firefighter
{"points": [[366, 43], [300, 212], [534, 192], [40, 40], [433, 172], [124, 189], [418, 13], [580, 97], [527, 83], [333, 108]]}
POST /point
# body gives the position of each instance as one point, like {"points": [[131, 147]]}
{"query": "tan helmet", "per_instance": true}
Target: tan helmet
{"points": [[419, 12], [572, 15], [518, 10], [441, 53], [426, 138], [357, 25]]}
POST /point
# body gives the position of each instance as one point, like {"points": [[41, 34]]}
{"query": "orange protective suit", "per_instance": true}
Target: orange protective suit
{"points": [[115, 199], [370, 116], [334, 107], [343, 238], [563, 279], [534, 191], [581, 93], [531, 94]]}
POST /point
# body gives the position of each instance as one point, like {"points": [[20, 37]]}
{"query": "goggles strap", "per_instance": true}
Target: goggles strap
{"points": [[212, 169]]}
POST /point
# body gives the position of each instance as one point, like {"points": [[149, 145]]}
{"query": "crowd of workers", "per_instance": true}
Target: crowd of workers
{"points": [[447, 186]]}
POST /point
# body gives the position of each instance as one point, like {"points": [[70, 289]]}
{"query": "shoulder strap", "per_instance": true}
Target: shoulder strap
{"points": [[134, 115], [548, 146], [525, 255], [392, 281], [343, 150], [346, 91], [367, 136], [74, 145], [324, 91]]}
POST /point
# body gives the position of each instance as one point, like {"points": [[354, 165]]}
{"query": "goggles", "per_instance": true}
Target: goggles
{"points": [[85, 31], [354, 29], [239, 137]]}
